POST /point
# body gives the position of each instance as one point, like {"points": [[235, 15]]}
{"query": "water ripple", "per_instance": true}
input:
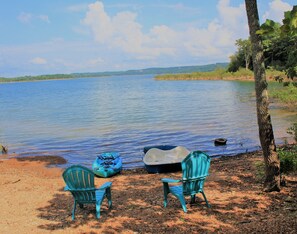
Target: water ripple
{"points": [[79, 119]]}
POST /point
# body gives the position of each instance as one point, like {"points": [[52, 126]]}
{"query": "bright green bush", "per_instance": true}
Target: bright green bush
{"points": [[287, 94], [242, 72]]}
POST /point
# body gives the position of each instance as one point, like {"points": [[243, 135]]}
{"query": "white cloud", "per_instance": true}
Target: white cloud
{"points": [[95, 61], [44, 18], [230, 16], [28, 17], [25, 17], [38, 60], [276, 10], [61, 57], [122, 31], [99, 22], [163, 35], [122, 42], [78, 7]]}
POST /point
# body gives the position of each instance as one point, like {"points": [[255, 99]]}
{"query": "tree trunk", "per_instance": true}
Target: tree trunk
{"points": [[247, 63], [271, 159]]}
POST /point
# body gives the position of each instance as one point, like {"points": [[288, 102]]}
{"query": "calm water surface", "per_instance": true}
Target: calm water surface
{"points": [[78, 119]]}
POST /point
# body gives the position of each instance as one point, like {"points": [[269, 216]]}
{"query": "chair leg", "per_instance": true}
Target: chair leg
{"points": [[73, 211], [193, 197], [182, 200], [108, 196], [98, 206], [166, 191], [207, 204]]}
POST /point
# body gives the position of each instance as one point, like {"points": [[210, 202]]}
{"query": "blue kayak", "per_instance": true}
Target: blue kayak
{"points": [[107, 164]]}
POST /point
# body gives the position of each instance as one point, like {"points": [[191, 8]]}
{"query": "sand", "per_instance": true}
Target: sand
{"points": [[33, 201]]}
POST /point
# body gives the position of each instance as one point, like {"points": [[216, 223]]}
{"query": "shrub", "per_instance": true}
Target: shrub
{"points": [[288, 159], [288, 162], [287, 83]]}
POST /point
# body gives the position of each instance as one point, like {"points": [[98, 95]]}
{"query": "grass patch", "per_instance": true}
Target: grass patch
{"points": [[216, 74], [285, 94], [288, 162], [260, 173], [241, 73], [221, 74]]}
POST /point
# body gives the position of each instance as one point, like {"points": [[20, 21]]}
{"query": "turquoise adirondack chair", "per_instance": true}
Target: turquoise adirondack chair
{"points": [[194, 172], [80, 182]]}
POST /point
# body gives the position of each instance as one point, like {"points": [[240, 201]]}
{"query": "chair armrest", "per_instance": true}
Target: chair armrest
{"points": [[105, 186], [66, 188], [168, 180]]}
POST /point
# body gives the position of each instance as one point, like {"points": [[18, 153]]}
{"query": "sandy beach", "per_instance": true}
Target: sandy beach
{"points": [[33, 201]]}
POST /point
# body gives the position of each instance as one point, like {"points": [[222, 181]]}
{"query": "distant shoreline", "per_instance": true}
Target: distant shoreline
{"points": [[174, 77], [37, 79], [146, 71], [211, 75]]}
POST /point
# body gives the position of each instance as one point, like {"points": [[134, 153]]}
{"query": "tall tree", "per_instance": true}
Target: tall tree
{"points": [[245, 46], [271, 159], [243, 56]]}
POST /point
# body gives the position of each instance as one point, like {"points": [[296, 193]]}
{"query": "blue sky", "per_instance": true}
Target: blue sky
{"points": [[49, 37]]}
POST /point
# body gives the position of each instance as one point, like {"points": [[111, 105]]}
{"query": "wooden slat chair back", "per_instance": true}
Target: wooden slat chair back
{"points": [[194, 172], [195, 169], [80, 182]]}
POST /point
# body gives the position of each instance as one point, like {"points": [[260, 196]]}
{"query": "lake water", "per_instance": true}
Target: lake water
{"points": [[78, 119]]}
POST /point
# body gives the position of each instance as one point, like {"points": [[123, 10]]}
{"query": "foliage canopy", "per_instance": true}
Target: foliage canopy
{"points": [[280, 46]]}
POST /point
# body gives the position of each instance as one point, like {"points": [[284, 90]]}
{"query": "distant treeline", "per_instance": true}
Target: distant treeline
{"points": [[36, 78], [173, 70]]}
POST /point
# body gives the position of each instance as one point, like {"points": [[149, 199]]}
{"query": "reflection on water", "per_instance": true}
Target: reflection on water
{"points": [[78, 119]]}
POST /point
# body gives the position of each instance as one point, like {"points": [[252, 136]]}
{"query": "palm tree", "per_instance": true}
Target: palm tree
{"points": [[271, 159]]}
